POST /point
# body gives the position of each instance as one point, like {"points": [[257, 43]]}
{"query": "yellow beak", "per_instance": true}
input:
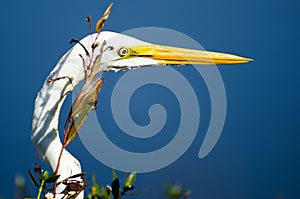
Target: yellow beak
{"points": [[166, 55]]}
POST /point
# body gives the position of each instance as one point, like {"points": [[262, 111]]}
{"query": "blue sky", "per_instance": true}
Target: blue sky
{"points": [[257, 155]]}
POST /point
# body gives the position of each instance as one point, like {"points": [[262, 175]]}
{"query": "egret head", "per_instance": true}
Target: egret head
{"points": [[123, 52]]}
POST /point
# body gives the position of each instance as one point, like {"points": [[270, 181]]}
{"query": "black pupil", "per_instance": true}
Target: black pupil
{"points": [[123, 51]]}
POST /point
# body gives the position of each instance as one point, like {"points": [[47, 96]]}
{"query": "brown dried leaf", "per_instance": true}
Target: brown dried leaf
{"points": [[84, 103], [101, 21]]}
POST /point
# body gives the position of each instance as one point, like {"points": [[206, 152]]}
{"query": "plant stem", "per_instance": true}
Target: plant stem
{"points": [[41, 189], [57, 167]]}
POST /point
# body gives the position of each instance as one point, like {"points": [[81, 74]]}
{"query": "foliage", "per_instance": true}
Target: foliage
{"points": [[114, 190], [175, 191], [76, 183], [44, 178]]}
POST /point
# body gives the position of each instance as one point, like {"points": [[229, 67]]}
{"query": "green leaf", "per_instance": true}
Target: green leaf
{"points": [[89, 196], [33, 179], [114, 174], [95, 184], [52, 178], [173, 191], [46, 175], [104, 193], [130, 180]]}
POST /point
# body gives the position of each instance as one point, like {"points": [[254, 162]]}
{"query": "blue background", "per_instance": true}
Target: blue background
{"points": [[257, 155]]}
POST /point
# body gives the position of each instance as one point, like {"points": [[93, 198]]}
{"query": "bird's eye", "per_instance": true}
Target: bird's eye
{"points": [[123, 51]]}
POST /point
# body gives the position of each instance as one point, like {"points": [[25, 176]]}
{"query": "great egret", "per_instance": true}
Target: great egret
{"points": [[121, 52]]}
